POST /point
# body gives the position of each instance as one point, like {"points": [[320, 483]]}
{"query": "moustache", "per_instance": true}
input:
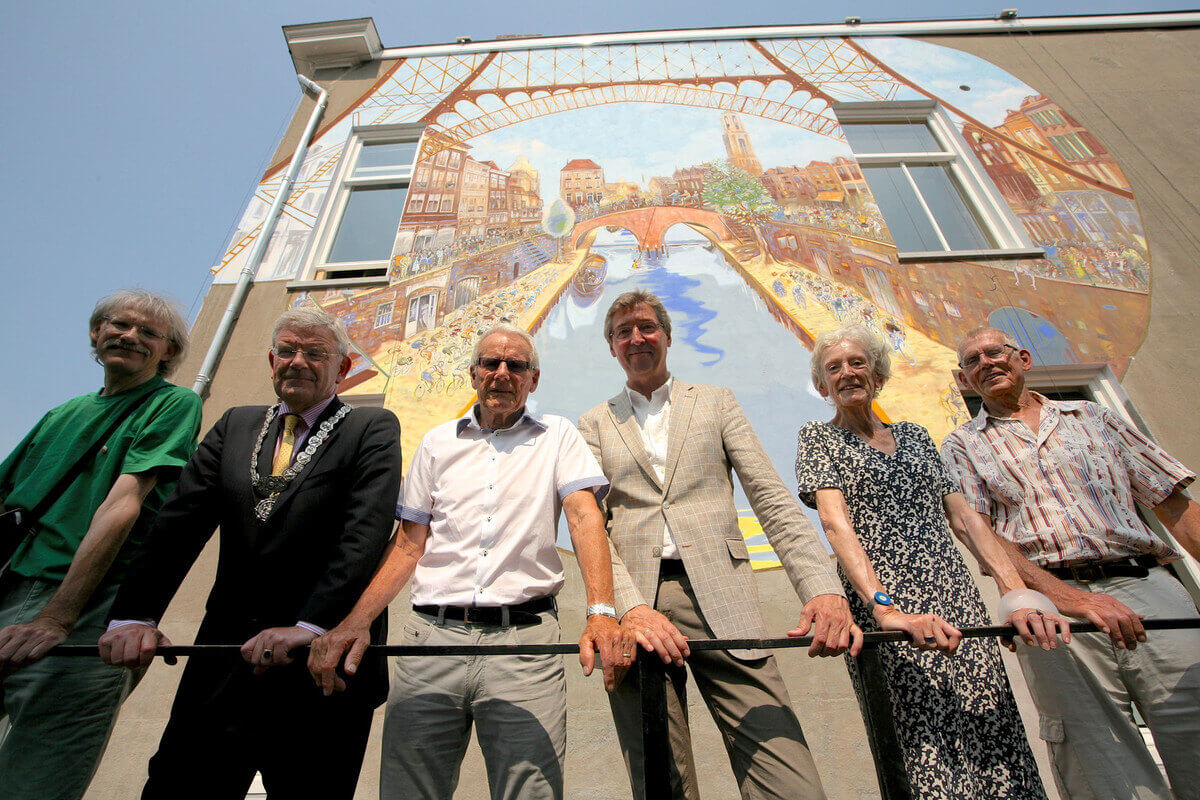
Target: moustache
{"points": [[119, 344]]}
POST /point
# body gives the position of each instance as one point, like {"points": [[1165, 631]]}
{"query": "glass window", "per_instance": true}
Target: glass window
{"points": [[384, 158], [932, 192], [368, 226], [957, 222], [911, 228], [902, 137]]}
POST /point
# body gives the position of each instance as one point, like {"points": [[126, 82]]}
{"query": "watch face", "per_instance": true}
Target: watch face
{"points": [[883, 599]]}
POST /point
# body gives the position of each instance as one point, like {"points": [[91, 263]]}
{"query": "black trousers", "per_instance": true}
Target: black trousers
{"points": [[227, 724]]}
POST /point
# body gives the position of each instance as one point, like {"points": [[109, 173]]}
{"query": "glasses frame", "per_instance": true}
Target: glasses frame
{"points": [[515, 366], [123, 325], [617, 337], [979, 357]]}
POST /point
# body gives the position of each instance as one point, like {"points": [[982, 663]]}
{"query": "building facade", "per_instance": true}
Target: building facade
{"points": [[951, 176]]}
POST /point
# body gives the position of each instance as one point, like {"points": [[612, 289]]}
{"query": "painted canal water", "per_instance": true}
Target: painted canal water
{"points": [[722, 334]]}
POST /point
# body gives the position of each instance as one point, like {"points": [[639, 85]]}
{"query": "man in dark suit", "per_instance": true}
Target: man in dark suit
{"points": [[303, 494]]}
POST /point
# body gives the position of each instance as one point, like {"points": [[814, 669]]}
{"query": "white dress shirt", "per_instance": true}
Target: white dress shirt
{"points": [[491, 499], [654, 421]]}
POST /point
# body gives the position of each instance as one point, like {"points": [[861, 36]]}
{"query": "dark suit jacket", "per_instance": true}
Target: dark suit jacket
{"points": [[308, 562]]}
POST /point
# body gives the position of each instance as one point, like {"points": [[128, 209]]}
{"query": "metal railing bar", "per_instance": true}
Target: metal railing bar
{"points": [[564, 648]]}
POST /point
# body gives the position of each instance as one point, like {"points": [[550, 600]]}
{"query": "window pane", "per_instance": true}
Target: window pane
{"points": [[906, 220], [384, 158], [959, 225], [368, 227], [890, 137]]}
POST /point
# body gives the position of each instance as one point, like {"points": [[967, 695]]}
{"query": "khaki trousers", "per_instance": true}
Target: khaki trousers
{"points": [[747, 699], [517, 703], [1085, 692]]}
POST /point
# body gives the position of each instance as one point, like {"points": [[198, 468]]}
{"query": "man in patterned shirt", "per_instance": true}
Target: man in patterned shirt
{"points": [[1060, 482]]}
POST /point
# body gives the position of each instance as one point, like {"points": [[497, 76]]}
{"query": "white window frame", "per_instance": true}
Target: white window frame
{"points": [[996, 218], [1099, 384], [315, 259]]}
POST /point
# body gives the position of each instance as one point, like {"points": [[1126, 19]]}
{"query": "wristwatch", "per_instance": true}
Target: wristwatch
{"points": [[603, 609], [879, 599]]}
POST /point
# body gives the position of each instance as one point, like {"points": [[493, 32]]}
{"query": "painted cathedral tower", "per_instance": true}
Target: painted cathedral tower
{"points": [[737, 145]]}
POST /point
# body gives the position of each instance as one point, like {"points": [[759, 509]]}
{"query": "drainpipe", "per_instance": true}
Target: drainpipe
{"points": [[238, 299]]}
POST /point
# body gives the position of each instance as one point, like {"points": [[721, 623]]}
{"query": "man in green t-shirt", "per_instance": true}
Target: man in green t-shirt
{"points": [[56, 714]]}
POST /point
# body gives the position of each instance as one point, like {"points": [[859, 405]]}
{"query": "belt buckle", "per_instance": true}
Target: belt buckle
{"points": [[1087, 573]]}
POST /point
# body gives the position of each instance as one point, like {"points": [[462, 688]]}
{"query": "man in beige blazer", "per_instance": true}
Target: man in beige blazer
{"points": [[682, 569]]}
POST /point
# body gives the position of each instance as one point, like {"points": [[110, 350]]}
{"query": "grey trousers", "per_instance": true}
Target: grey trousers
{"points": [[1084, 693], [57, 715], [518, 705], [747, 699]]}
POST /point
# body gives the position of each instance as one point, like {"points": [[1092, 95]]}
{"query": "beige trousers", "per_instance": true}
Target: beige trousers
{"points": [[1085, 693], [747, 699], [518, 705]]}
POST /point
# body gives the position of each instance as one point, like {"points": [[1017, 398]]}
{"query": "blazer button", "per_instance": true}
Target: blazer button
{"points": [[666, 504], [656, 552]]}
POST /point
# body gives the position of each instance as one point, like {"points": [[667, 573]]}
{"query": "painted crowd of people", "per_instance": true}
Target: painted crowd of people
{"points": [[108, 502]]}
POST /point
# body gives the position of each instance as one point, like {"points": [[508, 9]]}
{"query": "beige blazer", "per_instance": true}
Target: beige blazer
{"points": [[709, 436]]}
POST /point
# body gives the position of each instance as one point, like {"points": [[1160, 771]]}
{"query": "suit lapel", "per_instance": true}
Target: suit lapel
{"points": [[683, 400], [621, 410], [298, 481]]}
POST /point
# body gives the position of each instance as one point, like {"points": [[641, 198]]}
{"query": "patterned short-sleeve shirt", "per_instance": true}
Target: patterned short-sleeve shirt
{"points": [[1065, 493]]}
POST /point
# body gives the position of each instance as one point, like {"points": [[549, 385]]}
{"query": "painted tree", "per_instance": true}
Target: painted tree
{"points": [[741, 196]]}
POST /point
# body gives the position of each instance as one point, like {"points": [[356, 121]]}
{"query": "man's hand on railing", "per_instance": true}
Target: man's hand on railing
{"points": [[23, 644], [132, 645], [269, 648], [617, 648], [1037, 629], [1122, 624], [833, 629], [325, 653], [656, 634]]}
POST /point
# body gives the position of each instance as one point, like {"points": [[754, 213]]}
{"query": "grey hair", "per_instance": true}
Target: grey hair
{"points": [[632, 298], [513, 330], [309, 319], [878, 354], [151, 305], [975, 333]]}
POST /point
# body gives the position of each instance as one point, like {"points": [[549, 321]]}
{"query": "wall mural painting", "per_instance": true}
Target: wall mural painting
{"points": [[716, 175]]}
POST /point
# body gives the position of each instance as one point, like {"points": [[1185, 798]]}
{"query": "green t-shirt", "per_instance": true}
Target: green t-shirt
{"points": [[160, 434]]}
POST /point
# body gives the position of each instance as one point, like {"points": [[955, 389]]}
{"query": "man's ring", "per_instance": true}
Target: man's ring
{"points": [[625, 655], [930, 639], [267, 653]]}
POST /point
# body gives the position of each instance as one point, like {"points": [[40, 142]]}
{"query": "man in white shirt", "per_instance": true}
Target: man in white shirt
{"points": [[479, 515]]}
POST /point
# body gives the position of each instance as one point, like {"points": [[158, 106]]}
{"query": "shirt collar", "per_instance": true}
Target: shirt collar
{"points": [[657, 397], [980, 421], [471, 420], [310, 416]]}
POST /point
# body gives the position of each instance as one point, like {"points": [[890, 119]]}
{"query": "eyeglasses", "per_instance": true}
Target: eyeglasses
{"points": [[992, 353], [313, 354], [125, 326], [515, 366], [625, 332]]}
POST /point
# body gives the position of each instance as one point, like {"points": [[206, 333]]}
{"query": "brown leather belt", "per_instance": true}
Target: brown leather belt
{"points": [[521, 614], [1088, 571]]}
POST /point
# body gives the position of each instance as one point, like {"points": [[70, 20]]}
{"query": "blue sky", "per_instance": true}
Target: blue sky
{"points": [[135, 132]]}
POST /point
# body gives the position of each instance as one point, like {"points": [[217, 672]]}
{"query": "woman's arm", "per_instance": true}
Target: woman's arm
{"points": [[928, 631]]}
